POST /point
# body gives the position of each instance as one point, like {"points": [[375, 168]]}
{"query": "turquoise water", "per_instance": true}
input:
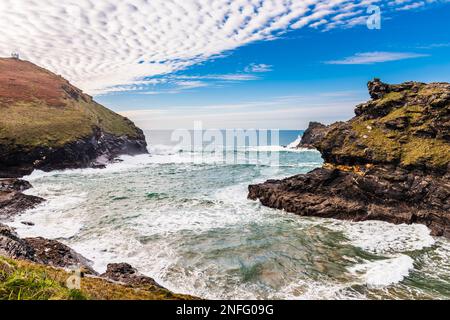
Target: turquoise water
{"points": [[189, 225]]}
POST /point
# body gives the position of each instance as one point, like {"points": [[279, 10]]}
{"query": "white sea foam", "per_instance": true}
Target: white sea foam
{"points": [[383, 273], [161, 237], [295, 144], [279, 149], [383, 238]]}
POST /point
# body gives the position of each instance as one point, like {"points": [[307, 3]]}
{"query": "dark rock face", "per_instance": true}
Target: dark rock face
{"points": [[125, 273], [315, 132], [12, 246], [93, 151], [391, 162], [56, 254], [12, 200], [47, 123], [395, 196], [40, 250], [377, 89]]}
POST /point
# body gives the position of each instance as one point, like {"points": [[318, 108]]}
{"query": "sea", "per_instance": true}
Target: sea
{"points": [[181, 216]]}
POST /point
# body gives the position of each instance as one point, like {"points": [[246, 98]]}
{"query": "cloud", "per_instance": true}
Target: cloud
{"points": [[258, 68], [223, 77], [289, 111], [376, 57], [102, 45]]}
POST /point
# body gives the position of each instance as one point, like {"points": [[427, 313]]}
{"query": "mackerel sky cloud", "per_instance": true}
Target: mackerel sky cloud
{"points": [[109, 46]]}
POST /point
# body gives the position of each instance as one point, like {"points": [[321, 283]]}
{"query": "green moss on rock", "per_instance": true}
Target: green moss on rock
{"points": [[406, 125]]}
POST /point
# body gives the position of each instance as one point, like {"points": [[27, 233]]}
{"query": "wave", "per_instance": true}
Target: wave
{"points": [[382, 273], [295, 144]]}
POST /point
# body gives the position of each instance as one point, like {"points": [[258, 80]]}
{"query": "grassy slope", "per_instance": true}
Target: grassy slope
{"points": [[20, 280], [403, 146], [37, 109]]}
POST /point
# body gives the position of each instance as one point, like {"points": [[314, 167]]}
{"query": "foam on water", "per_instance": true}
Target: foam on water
{"points": [[191, 227], [295, 144], [380, 237], [383, 273]]}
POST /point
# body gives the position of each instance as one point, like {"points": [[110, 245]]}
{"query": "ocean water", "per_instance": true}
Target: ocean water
{"points": [[188, 224]]}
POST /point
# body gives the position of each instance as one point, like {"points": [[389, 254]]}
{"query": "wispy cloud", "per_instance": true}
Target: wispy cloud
{"points": [[100, 45], [258, 68], [376, 57]]}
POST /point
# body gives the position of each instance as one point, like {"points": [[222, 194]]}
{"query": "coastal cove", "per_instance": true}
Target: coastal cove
{"points": [[191, 227]]}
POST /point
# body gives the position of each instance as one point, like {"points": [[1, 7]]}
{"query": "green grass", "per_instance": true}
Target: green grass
{"points": [[390, 98], [400, 146], [20, 283], [31, 124], [20, 280]]}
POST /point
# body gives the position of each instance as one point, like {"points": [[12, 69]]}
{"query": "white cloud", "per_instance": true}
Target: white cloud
{"points": [[258, 68], [292, 112], [102, 45], [376, 57]]}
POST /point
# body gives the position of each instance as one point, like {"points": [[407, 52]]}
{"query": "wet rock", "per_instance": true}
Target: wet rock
{"points": [[40, 250], [378, 194], [125, 273], [56, 254], [12, 200], [12, 246], [12, 203]]}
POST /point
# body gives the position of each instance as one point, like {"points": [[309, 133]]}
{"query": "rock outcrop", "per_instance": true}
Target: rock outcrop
{"points": [[315, 132], [125, 273], [12, 200], [47, 124], [391, 162], [40, 250]]}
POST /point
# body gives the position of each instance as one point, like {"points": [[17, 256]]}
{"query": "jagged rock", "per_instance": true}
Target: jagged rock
{"points": [[391, 162], [47, 124], [56, 254], [40, 250], [12, 200], [377, 89], [315, 132], [125, 273], [12, 246], [377, 194], [8, 185]]}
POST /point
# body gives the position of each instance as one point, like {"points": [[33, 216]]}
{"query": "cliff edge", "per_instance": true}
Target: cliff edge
{"points": [[390, 162], [46, 123]]}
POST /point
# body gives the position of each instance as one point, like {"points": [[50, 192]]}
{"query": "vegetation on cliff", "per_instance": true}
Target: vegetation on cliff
{"points": [[21, 280], [39, 108], [46, 122], [407, 125], [390, 162]]}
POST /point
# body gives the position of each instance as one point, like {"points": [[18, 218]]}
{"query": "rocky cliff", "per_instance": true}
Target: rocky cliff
{"points": [[46, 123], [390, 162]]}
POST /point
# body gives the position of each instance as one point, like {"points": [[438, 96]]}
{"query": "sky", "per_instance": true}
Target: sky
{"points": [[273, 64]]}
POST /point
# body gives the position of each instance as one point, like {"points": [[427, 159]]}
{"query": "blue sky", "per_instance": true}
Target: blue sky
{"points": [[294, 72], [256, 64]]}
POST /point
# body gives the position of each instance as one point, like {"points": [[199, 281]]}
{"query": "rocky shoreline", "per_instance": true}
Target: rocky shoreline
{"points": [[391, 162], [55, 254], [48, 124]]}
